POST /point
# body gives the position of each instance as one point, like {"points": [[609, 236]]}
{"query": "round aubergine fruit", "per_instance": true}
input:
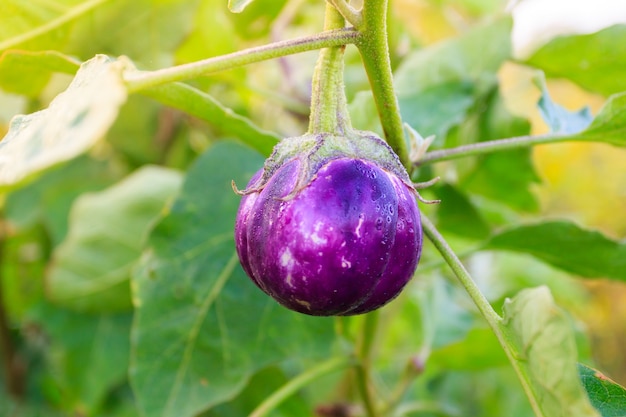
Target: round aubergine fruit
{"points": [[345, 242]]}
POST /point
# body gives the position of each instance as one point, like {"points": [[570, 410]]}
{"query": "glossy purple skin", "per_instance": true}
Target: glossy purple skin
{"points": [[346, 244]]}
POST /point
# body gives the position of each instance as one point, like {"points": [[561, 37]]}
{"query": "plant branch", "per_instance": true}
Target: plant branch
{"points": [[139, 80], [13, 371], [493, 319], [363, 370], [374, 49], [297, 383], [353, 16], [488, 147]]}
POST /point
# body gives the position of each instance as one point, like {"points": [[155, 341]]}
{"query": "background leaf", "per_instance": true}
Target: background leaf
{"points": [[73, 122], [564, 245], [593, 61], [215, 328], [92, 266], [541, 335], [237, 6], [605, 395], [609, 125]]}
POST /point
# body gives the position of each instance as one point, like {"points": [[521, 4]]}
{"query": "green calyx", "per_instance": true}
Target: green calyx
{"points": [[314, 150]]}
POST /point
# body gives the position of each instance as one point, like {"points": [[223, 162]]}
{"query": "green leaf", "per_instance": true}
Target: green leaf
{"points": [[559, 119], [605, 395], [36, 18], [478, 351], [48, 199], [457, 214], [88, 354], [237, 6], [565, 245], [75, 120], [202, 105], [202, 328], [593, 61], [91, 268], [27, 73], [543, 341], [609, 125]]}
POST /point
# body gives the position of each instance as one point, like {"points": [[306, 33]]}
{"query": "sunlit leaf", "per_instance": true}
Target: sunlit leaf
{"points": [[24, 21], [609, 125], [202, 328], [593, 61], [564, 245], [605, 395], [541, 336], [237, 6], [91, 268], [24, 72], [75, 120]]}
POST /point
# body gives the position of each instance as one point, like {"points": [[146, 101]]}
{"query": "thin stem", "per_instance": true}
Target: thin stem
{"points": [[363, 371], [493, 319], [489, 146], [328, 109], [291, 387], [374, 49], [13, 371], [138, 80], [348, 12]]}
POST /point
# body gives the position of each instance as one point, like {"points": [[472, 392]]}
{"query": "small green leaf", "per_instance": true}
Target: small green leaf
{"points": [[605, 395], [559, 119], [564, 245], [609, 125], [202, 105], [75, 120], [542, 338], [237, 6], [593, 61], [27, 73], [202, 328], [91, 268]]}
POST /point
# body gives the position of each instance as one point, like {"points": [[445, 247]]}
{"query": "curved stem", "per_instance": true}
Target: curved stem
{"points": [[328, 103], [353, 16], [374, 50], [493, 319], [138, 80], [488, 147], [297, 383], [363, 371]]}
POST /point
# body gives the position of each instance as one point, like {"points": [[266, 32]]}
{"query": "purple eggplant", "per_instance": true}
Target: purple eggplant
{"points": [[330, 235]]}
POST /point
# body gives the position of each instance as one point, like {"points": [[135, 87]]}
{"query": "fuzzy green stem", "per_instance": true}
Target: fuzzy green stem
{"points": [[493, 319], [353, 16], [374, 48], [297, 383], [139, 80], [328, 102], [481, 148]]}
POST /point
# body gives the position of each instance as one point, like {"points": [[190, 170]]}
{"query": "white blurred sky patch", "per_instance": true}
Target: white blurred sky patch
{"points": [[538, 21]]}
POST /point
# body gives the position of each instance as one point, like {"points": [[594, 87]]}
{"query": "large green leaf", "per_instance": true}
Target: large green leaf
{"points": [[594, 61], [541, 336], [202, 105], [87, 353], [457, 214], [605, 395], [75, 120], [565, 245], [237, 6], [202, 328], [91, 268]]}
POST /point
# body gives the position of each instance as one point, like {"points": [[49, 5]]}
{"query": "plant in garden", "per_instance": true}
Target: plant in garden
{"points": [[147, 311]]}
